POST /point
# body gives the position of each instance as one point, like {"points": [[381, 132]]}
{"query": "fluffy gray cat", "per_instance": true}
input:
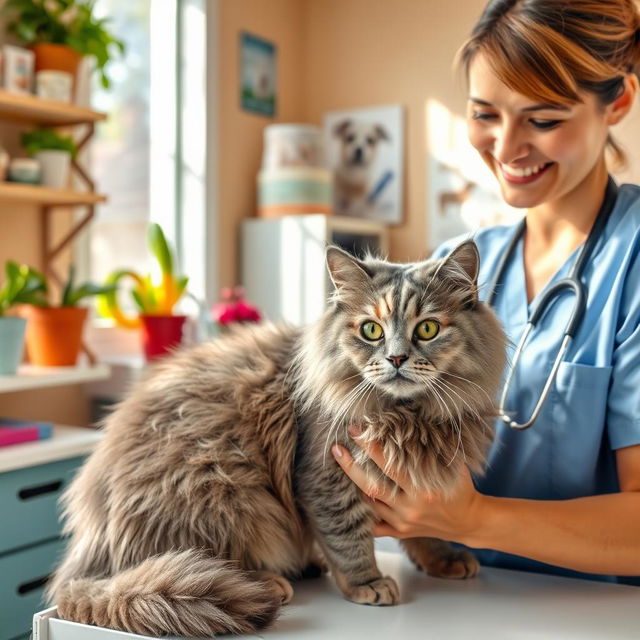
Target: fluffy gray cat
{"points": [[214, 483]]}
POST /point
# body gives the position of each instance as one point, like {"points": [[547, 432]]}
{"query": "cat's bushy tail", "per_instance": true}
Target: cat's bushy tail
{"points": [[185, 593]]}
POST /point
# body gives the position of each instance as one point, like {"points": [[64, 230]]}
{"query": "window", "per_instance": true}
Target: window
{"points": [[120, 149], [150, 156]]}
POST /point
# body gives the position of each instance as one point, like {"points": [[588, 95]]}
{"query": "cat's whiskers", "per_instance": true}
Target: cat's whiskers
{"points": [[475, 384], [352, 397], [456, 423], [436, 395], [431, 384], [344, 411], [455, 390], [472, 410]]}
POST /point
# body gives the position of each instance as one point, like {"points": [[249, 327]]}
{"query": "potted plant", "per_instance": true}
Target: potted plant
{"points": [[23, 285], [54, 332], [53, 151], [61, 32], [161, 328]]}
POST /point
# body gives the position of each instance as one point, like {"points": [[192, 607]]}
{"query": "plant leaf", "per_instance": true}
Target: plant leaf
{"points": [[68, 288], [160, 248]]}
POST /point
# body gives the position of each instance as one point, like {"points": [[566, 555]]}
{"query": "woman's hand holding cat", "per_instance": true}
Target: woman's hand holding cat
{"points": [[407, 513]]}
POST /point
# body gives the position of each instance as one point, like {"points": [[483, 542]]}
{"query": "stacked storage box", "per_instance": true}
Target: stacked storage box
{"points": [[292, 180]]}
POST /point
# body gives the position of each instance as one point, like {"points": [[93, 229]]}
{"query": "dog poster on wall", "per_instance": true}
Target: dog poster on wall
{"points": [[364, 149]]}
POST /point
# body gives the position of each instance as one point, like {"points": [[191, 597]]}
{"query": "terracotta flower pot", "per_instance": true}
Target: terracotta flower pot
{"points": [[54, 335], [56, 57], [161, 334]]}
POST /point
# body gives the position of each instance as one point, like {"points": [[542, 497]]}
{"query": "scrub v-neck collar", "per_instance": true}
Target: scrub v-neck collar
{"points": [[525, 307]]}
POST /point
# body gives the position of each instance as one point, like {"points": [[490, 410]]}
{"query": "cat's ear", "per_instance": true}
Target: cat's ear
{"points": [[346, 271], [463, 265]]}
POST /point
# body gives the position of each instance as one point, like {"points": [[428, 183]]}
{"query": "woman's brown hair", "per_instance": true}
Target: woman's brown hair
{"points": [[550, 50]]}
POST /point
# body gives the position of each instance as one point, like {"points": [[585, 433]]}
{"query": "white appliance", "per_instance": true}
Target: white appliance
{"points": [[283, 261]]}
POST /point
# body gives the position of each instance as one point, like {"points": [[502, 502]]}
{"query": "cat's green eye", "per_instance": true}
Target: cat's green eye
{"points": [[427, 330], [371, 331]]}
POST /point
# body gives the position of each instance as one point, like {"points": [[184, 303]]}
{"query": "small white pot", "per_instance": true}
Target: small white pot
{"points": [[55, 168]]}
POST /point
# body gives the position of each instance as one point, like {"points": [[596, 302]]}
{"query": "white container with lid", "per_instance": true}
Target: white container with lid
{"points": [[292, 145]]}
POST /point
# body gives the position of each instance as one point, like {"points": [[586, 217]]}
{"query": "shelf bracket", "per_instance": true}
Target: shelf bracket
{"points": [[51, 252], [74, 162]]}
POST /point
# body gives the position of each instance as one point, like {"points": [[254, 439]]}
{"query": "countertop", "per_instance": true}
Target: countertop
{"points": [[497, 604]]}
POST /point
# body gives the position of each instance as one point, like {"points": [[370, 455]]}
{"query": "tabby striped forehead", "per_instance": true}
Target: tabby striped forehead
{"points": [[409, 293]]}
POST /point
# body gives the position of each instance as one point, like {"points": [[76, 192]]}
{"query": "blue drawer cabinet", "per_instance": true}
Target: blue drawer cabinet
{"points": [[22, 576], [30, 543], [28, 499]]}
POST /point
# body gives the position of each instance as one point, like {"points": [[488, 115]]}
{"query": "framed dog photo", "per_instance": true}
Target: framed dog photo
{"points": [[257, 75], [364, 148]]}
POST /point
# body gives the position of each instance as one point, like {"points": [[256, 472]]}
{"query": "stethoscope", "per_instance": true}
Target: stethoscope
{"points": [[572, 282]]}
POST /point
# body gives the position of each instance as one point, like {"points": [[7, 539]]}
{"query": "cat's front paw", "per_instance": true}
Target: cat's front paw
{"points": [[380, 592], [454, 563]]}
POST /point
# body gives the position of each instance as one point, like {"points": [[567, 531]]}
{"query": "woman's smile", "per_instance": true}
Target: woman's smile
{"points": [[524, 175]]}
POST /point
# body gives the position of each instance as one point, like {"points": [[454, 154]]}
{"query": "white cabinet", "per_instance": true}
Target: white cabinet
{"points": [[283, 261]]}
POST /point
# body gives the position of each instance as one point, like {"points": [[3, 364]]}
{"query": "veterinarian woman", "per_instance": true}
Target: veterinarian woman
{"points": [[547, 79]]}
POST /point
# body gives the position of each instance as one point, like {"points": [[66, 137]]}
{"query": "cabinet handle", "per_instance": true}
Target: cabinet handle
{"points": [[38, 490], [26, 587]]}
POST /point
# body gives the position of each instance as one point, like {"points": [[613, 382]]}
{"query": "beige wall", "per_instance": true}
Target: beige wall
{"points": [[363, 52], [240, 132], [335, 54]]}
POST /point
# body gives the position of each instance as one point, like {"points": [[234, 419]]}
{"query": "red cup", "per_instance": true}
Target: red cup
{"points": [[161, 334]]}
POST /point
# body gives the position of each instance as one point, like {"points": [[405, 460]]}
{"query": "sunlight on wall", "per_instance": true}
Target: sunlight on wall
{"points": [[462, 193], [302, 271], [193, 147], [162, 116]]}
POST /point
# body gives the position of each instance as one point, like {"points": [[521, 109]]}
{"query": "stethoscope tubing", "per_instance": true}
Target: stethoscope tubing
{"points": [[572, 283]]}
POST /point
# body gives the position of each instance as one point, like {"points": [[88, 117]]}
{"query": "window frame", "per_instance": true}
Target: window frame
{"points": [[192, 224]]}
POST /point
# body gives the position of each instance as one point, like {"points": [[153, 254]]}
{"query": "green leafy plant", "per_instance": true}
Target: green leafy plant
{"points": [[71, 294], [149, 298], [26, 285], [23, 285], [47, 139], [69, 22]]}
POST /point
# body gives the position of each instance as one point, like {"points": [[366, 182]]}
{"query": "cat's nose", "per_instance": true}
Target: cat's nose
{"points": [[396, 361]]}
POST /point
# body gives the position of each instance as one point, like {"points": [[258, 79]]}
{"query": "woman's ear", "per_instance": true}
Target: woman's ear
{"points": [[619, 108]]}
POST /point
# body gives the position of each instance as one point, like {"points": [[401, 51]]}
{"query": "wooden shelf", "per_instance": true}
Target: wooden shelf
{"points": [[29, 108], [36, 194], [31, 377], [66, 442]]}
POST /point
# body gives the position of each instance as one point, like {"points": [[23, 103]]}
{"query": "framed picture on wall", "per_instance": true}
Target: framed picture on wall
{"points": [[365, 150], [257, 75]]}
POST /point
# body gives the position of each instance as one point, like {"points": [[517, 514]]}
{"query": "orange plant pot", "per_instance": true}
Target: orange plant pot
{"points": [[54, 335], [56, 57]]}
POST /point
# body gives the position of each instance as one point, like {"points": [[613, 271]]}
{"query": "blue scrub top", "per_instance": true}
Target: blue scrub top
{"points": [[593, 408]]}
